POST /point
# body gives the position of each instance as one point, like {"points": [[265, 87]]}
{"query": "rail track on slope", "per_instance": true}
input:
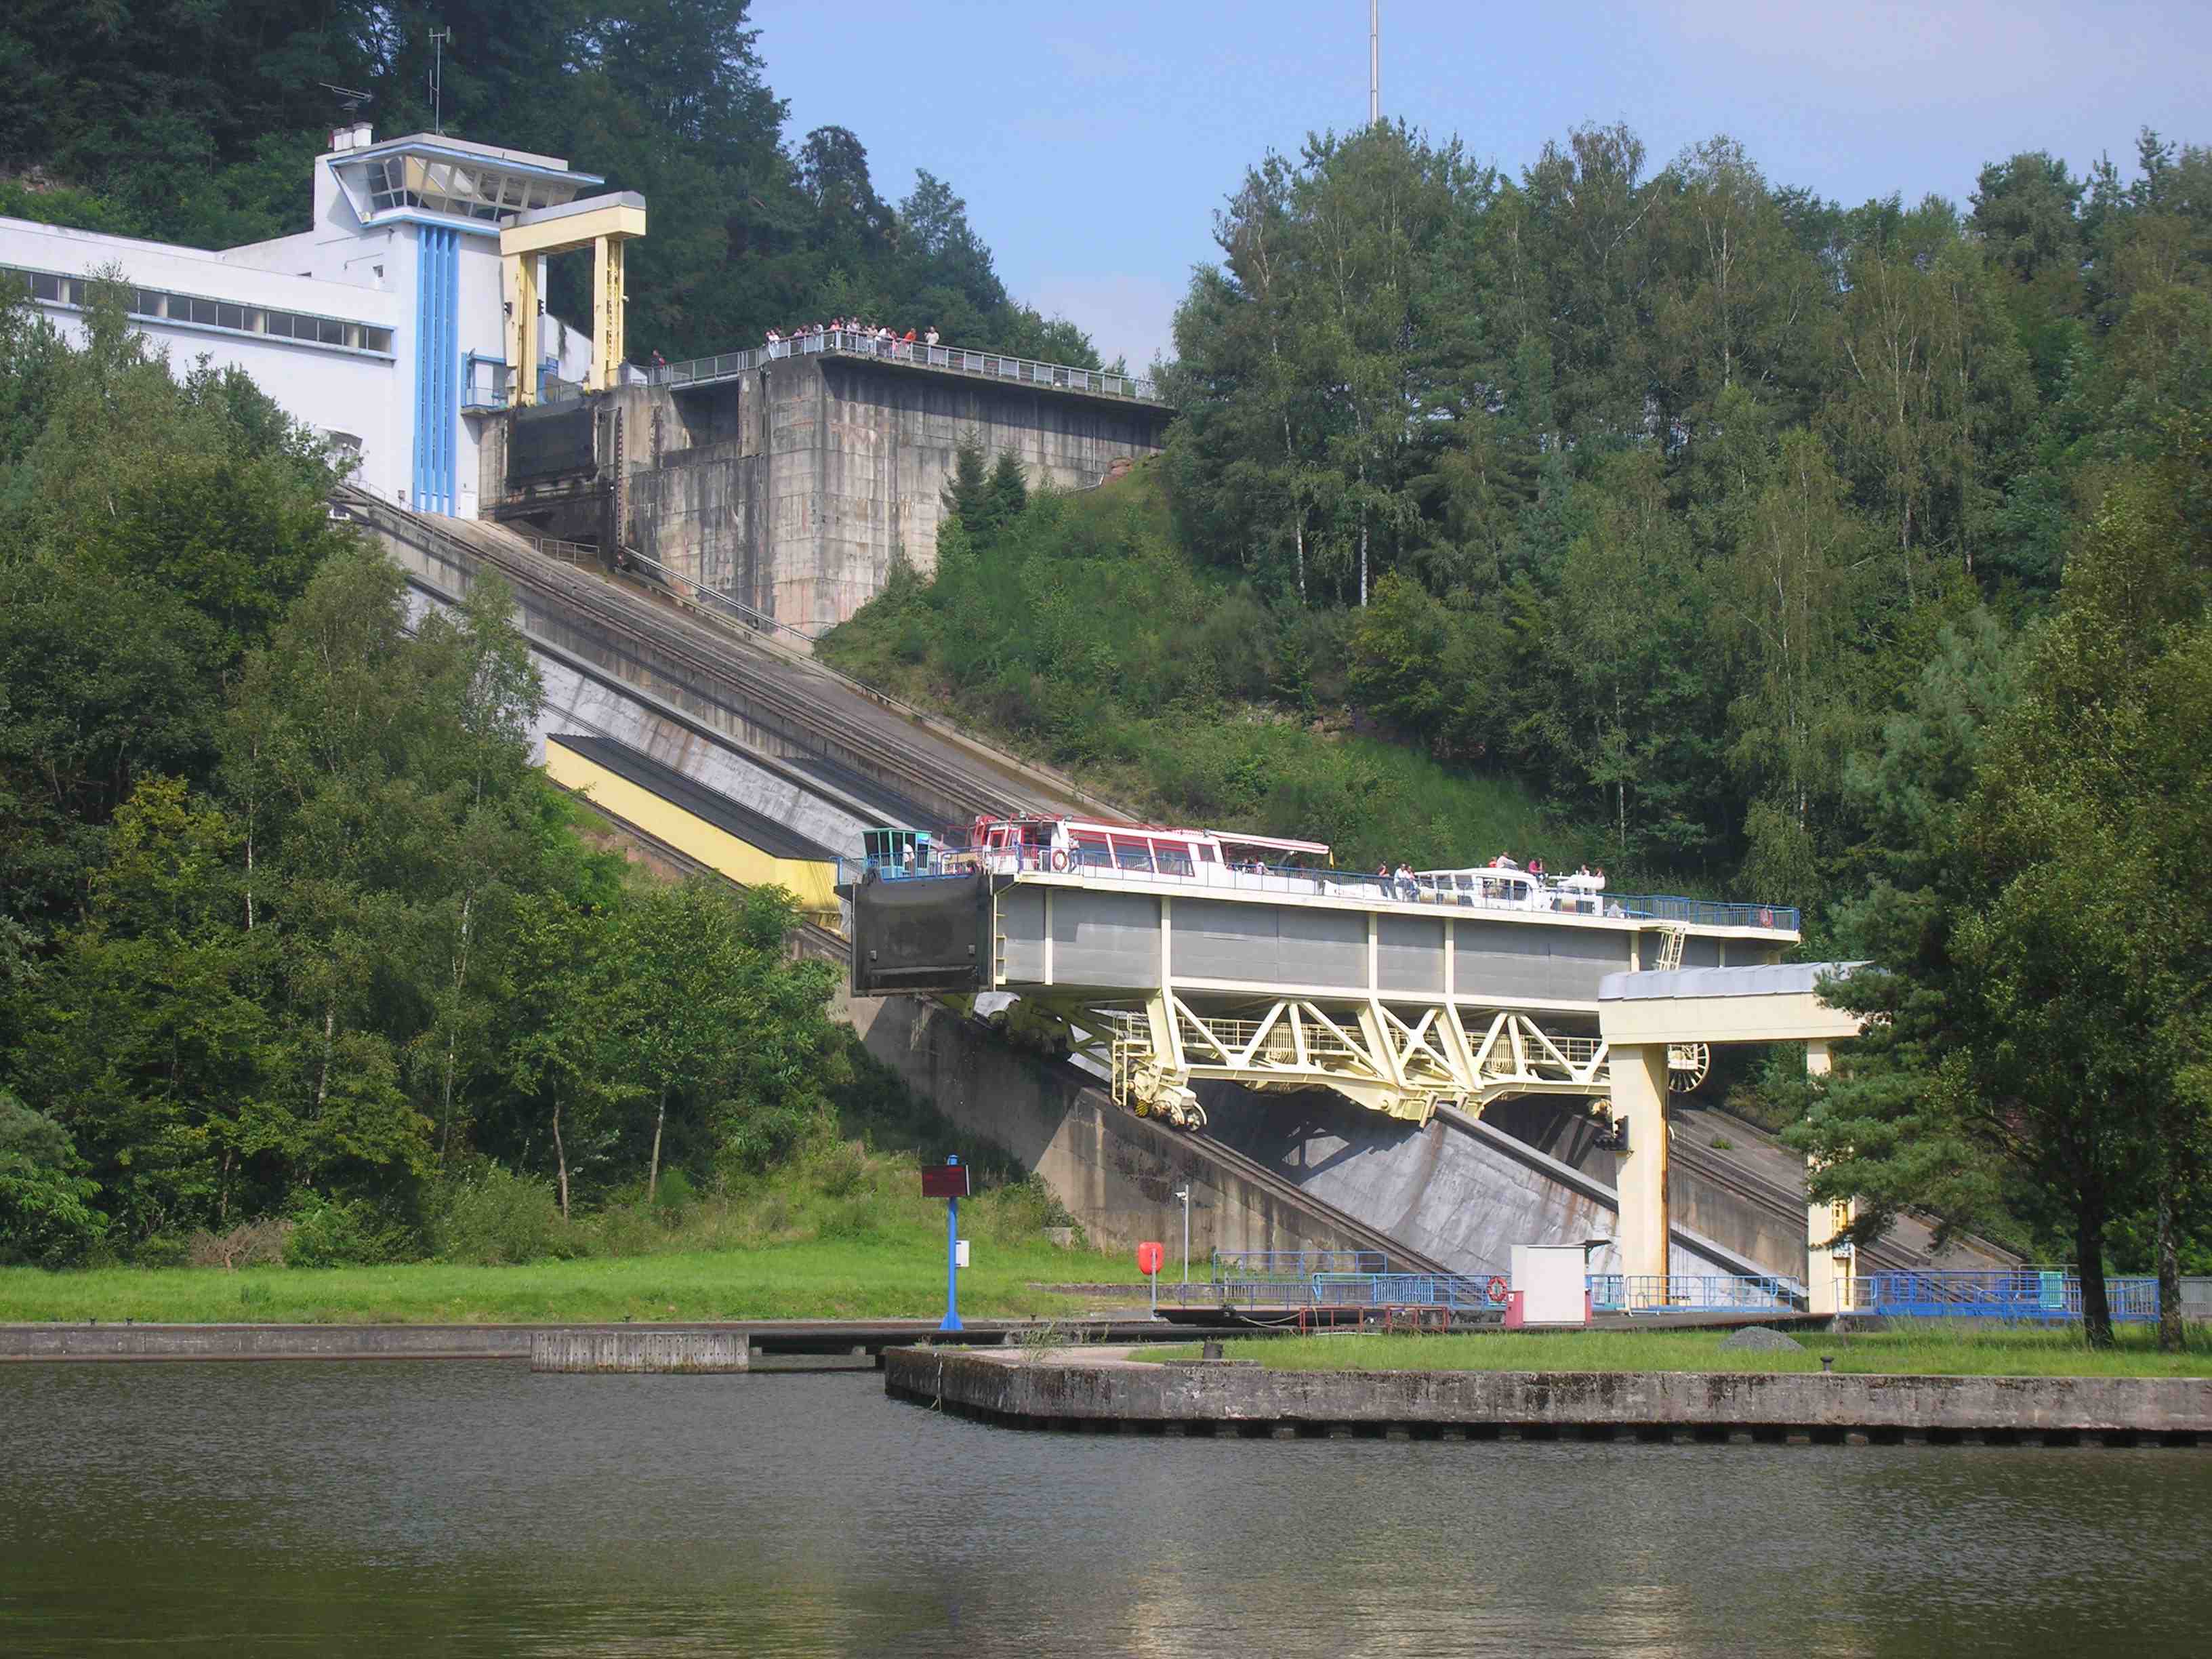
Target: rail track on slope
{"points": [[807, 705]]}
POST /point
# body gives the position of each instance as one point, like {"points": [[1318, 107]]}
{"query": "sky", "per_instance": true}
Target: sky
{"points": [[1093, 144]]}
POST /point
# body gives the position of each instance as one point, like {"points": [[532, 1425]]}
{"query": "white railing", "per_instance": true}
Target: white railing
{"points": [[959, 360]]}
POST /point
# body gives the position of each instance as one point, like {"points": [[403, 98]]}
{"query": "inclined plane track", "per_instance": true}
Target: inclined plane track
{"points": [[805, 703]]}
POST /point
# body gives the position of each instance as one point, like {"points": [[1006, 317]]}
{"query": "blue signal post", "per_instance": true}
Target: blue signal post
{"points": [[951, 1258]]}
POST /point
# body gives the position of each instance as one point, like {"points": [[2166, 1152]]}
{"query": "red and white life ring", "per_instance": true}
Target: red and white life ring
{"points": [[1060, 860], [1497, 1290]]}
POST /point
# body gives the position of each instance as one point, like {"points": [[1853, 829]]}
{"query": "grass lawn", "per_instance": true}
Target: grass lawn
{"points": [[901, 1275], [1950, 1350]]}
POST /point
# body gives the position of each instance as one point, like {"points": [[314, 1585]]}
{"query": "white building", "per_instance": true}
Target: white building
{"points": [[383, 325]]}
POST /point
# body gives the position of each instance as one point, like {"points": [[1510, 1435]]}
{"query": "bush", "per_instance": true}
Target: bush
{"points": [[249, 1244], [499, 1218], [46, 1216], [341, 1232]]}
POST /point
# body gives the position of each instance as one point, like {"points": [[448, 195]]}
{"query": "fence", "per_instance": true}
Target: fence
{"points": [[983, 365], [2032, 1294], [1300, 1264], [1301, 881], [1634, 1293]]}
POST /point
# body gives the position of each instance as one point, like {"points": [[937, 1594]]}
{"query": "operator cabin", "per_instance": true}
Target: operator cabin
{"points": [[388, 326]]}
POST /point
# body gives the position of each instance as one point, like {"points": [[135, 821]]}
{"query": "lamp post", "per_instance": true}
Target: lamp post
{"points": [[1182, 1197]]}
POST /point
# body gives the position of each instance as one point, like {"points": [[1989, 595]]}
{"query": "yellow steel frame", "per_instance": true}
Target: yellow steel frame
{"points": [[602, 224]]}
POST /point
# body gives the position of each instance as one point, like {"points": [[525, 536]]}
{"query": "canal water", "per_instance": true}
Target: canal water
{"points": [[238, 1509]]}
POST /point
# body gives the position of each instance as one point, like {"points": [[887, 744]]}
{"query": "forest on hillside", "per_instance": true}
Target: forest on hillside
{"points": [[1853, 557], [300, 955], [199, 123]]}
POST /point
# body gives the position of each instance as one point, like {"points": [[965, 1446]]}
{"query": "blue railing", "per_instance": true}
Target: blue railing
{"points": [[2031, 1295], [1298, 1264], [1635, 1293], [1466, 1291]]}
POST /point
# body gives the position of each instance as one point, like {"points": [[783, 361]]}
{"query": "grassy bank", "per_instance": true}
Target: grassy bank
{"points": [[840, 1230], [899, 1275], [1929, 1350]]}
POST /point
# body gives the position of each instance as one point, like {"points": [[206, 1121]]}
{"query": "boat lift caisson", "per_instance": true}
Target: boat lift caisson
{"points": [[1165, 956]]}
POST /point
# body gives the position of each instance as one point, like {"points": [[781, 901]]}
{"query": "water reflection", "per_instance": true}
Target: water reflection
{"points": [[476, 1508]]}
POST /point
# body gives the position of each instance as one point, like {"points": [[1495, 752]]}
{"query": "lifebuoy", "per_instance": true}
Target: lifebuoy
{"points": [[1767, 918], [1497, 1290], [1060, 860]]}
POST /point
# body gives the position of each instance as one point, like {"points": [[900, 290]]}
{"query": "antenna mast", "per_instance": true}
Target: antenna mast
{"points": [[437, 39], [1373, 61]]}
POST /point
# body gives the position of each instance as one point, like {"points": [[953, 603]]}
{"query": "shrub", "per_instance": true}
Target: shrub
{"points": [[339, 1232], [497, 1218], [46, 1216], [249, 1244]]}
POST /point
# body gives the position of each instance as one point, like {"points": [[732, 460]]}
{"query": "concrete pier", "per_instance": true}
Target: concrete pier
{"points": [[1081, 1391], [604, 1352]]}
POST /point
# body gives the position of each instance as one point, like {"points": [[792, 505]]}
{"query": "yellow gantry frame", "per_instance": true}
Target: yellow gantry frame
{"points": [[602, 223]]}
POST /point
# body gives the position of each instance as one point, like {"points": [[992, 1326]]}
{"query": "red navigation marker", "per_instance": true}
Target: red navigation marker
{"points": [[1149, 1258], [944, 1181]]}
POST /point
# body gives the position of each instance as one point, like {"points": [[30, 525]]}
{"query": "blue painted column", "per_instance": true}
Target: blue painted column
{"points": [[951, 1262]]}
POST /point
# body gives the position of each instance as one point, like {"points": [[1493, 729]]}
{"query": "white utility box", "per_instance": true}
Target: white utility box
{"points": [[1548, 1279]]}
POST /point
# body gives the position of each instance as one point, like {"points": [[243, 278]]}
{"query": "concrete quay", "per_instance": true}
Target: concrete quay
{"points": [[1111, 1392], [768, 1345]]}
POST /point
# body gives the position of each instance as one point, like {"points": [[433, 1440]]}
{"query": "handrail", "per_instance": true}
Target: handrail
{"points": [[690, 587], [960, 360], [2051, 1295], [1304, 881]]}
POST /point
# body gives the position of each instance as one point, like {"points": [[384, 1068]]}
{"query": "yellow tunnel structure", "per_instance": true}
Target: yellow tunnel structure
{"points": [[742, 844]]}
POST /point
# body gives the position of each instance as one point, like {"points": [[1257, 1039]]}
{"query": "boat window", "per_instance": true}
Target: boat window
{"points": [[1133, 854], [1173, 859], [1204, 853], [1092, 851]]}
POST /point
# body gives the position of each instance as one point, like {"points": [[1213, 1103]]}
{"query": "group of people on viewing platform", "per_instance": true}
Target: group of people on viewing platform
{"points": [[882, 334]]}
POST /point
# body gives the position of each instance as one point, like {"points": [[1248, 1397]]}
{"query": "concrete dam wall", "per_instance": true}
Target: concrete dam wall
{"points": [[794, 488]]}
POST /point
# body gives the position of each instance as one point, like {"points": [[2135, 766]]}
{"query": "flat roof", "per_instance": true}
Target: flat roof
{"points": [[1780, 979], [709, 805]]}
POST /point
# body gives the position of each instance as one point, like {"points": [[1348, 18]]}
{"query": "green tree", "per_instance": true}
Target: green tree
{"points": [[47, 1214]]}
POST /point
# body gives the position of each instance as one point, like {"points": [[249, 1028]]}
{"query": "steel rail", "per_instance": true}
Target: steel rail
{"points": [[694, 651]]}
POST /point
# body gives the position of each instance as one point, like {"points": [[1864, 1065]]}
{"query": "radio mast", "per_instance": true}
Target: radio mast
{"points": [[1373, 61]]}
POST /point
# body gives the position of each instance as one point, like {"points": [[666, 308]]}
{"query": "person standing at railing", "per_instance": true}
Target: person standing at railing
{"points": [[931, 335]]}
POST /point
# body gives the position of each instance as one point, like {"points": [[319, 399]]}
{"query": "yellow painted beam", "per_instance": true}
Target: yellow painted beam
{"points": [[1639, 1100], [609, 304], [555, 231], [812, 882], [521, 327], [1785, 1017]]}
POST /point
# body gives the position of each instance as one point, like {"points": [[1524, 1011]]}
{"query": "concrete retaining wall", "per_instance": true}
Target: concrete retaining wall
{"points": [[702, 1352], [795, 488], [1058, 1391], [1117, 1173], [264, 1341], [1456, 1194]]}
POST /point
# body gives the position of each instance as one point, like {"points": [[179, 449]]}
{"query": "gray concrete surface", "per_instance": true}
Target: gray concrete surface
{"points": [[795, 489], [1455, 1191], [1066, 1389], [1117, 1173], [605, 1352]]}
